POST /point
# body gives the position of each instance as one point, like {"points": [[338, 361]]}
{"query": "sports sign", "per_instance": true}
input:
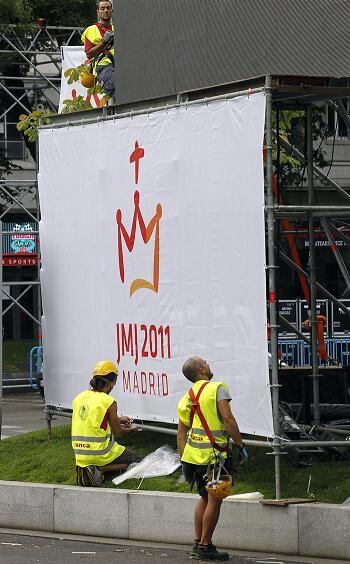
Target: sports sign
{"points": [[166, 211]]}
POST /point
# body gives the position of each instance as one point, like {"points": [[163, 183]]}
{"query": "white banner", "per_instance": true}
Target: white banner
{"points": [[152, 239], [73, 57]]}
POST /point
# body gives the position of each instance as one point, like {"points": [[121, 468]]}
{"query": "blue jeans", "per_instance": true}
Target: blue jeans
{"points": [[105, 77]]}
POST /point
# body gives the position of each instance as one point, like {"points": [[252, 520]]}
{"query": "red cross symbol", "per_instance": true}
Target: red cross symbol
{"points": [[137, 154]]}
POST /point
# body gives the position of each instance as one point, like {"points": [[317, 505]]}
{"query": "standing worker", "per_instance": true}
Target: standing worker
{"points": [[321, 324], [205, 418], [98, 42], [95, 424]]}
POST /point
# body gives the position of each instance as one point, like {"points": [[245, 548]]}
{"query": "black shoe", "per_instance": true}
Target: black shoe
{"points": [[95, 476], [194, 551], [89, 476], [210, 554]]}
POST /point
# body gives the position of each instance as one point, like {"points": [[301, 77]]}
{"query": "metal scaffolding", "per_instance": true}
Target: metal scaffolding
{"points": [[275, 97], [278, 96], [308, 213], [32, 62]]}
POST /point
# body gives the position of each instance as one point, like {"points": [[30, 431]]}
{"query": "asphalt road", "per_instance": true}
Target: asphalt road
{"points": [[24, 412], [20, 549]]}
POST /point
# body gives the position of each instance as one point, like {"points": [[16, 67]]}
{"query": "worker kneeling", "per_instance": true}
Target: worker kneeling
{"points": [[95, 425]]}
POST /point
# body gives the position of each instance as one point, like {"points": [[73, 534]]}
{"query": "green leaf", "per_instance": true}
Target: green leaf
{"points": [[21, 125]]}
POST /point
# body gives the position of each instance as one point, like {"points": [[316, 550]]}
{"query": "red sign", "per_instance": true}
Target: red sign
{"points": [[19, 259]]}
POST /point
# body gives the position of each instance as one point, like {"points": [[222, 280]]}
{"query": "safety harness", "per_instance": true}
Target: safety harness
{"points": [[217, 485], [196, 410]]}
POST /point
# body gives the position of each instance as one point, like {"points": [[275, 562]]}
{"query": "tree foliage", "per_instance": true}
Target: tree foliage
{"points": [[64, 12], [292, 127]]}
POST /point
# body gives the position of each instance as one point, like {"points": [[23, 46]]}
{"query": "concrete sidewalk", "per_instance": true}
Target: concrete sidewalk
{"points": [[24, 412], [312, 530]]}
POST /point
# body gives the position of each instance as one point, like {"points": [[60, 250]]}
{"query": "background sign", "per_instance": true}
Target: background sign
{"points": [[288, 310], [341, 322], [163, 265], [73, 57]]}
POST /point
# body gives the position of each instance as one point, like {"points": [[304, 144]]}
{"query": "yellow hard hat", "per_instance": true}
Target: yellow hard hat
{"points": [[87, 79], [222, 488], [104, 367]]}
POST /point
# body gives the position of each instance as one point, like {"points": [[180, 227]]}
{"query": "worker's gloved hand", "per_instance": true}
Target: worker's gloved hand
{"points": [[242, 455], [108, 37]]}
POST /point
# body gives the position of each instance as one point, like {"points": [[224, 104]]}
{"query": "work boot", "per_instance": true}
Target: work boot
{"points": [[210, 554], [93, 476], [194, 551]]}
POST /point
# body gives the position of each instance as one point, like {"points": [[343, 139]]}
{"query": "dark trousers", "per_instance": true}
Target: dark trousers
{"points": [[105, 77]]}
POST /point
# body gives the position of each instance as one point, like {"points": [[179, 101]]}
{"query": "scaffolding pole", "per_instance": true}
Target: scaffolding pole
{"points": [[342, 266], [293, 151], [312, 268], [319, 287], [31, 64], [272, 286], [2, 337]]}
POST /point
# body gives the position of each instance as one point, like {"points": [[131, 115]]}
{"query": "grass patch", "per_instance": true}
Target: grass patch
{"points": [[33, 458], [16, 355]]}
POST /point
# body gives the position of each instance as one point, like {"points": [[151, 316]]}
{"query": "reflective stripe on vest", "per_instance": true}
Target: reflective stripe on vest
{"points": [[217, 433], [89, 452], [92, 438], [198, 449]]}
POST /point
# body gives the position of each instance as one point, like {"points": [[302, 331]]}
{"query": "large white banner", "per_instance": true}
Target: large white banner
{"points": [[152, 239], [74, 57]]}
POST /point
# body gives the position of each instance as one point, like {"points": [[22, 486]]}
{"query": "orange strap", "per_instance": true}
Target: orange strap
{"points": [[196, 410]]}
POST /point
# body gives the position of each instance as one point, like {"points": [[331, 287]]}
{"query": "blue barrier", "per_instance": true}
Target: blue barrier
{"points": [[38, 352], [298, 353]]}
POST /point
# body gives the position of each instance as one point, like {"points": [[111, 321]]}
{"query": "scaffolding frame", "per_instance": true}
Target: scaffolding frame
{"points": [[45, 42], [42, 42], [274, 211], [274, 93]]}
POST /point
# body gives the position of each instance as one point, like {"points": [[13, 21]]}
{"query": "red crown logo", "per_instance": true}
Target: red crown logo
{"points": [[129, 240]]}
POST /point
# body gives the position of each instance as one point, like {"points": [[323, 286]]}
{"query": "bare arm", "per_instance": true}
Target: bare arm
{"points": [[229, 422], [118, 430], [95, 50], [181, 437]]}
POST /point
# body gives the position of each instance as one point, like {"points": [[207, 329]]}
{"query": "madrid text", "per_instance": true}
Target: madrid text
{"points": [[138, 341]]}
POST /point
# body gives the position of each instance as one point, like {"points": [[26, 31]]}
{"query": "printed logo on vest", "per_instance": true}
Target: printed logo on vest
{"points": [[83, 412]]}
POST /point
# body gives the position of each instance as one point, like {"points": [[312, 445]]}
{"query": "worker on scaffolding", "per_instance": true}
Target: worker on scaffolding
{"points": [[98, 42], [95, 425], [205, 425], [321, 323]]}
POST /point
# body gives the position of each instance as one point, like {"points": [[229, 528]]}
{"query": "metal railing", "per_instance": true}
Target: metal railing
{"points": [[35, 361], [297, 353]]}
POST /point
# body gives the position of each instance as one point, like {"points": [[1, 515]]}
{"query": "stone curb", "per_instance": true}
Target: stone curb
{"points": [[317, 530]]}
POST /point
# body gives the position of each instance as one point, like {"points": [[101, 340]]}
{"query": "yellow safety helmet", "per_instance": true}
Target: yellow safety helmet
{"points": [[105, 367], [87, 79], [222, 488]]}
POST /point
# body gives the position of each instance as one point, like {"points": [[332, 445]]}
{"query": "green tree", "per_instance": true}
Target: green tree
{"points": [[64, 12], [292, 127]]}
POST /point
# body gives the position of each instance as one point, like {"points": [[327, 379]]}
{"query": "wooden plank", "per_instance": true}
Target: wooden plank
{"points": [[286, 501]]}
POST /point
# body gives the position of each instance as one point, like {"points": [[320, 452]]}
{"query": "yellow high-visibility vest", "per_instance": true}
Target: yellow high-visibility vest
{"points": [[92, 438], [198, 449], [93, 34]]}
